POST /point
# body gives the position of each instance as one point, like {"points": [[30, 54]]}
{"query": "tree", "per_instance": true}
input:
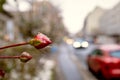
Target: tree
{"points": [[43, 17], [2, 2]]}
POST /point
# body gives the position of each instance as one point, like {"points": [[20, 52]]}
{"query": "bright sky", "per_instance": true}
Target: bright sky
{"points": [[75, 11]]}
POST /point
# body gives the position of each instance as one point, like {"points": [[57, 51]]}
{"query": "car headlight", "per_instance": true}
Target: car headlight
{"points": [[85, 44], [76, 44]]}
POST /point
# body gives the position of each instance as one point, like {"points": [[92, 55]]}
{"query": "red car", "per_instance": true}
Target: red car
{"points": [[104, 61]]}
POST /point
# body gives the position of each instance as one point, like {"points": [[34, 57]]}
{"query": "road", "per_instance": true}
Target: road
{"points": [[69, 69], [72, 65], [81, 54]]}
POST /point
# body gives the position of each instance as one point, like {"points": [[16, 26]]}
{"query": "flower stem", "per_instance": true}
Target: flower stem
{"points": [[14, 45], [9, 57]]}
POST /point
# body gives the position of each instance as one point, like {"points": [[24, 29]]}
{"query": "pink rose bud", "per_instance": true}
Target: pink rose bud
{"points": [[2, 73], [24, 57], [40, 41]]}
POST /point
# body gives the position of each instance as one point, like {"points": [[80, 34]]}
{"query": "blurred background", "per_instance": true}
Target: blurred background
{"points": [[76, 27]]}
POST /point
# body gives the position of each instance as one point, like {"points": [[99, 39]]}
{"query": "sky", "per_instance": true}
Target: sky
{"points": [[75, 11], [72, 11]]}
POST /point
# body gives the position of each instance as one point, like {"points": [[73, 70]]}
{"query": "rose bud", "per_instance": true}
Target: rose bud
{"points": [[24, 57], [40, 41], [2, 73]]}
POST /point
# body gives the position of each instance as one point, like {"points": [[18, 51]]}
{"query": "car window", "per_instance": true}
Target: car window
{"points": [[115, 53], [97, 52]]}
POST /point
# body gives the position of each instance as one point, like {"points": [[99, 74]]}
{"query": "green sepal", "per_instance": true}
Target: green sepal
{"points": [[34, 42]]}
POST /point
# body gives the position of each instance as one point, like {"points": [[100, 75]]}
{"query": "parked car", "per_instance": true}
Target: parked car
{"points": [[104, 61]]}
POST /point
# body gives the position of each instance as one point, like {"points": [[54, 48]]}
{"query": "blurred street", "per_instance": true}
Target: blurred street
{"points": [[63, 39]]}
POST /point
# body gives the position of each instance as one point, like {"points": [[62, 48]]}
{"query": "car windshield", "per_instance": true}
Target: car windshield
{"points": [[80, 40], [115, 53]]}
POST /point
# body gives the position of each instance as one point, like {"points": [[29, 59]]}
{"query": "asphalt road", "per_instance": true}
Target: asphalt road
{"points": [[68, 67], [81, 54], [72, 63]]}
